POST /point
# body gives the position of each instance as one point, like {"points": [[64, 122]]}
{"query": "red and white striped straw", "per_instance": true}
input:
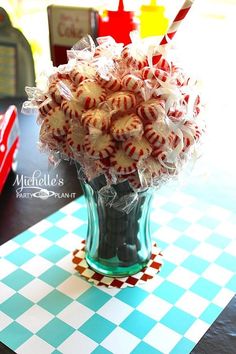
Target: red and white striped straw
{"points": [[177, 22]]}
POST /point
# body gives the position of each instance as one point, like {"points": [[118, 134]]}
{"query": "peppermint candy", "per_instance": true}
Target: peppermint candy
{"points": [[126, 126], [131, 83], [99, 146], [96, 118], [187, 97], [152, 110], [77, 77], [176, 115], [137, 148], [121, 163], [134, 180], [118, 116], [133, 57], [163, 64], [154, 167], [159, 153], [121, 101], [193, 129], [81, 72], [75, 137], [60, 89], [46, 106], [57, 122], [46, 137], [71, 108], [153, 74], [112, 83], [89, 94], [157, 134], [66, 150]]}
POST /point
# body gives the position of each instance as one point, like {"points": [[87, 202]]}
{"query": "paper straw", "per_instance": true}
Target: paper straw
{"points": [[173, 28], [177, 22]]}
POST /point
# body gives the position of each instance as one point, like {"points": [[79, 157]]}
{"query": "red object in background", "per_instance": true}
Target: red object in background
{"points": [[117, 24], [9, 142], [67, 25]]}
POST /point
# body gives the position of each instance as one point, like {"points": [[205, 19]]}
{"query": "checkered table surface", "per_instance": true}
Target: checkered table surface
{"points": [[46, 307]]}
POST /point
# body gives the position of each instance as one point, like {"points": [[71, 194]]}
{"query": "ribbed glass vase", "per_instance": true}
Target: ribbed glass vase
{"points": [[118, 242]]}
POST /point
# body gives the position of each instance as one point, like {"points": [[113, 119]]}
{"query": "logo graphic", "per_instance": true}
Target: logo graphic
{"points": [[37, 186]]}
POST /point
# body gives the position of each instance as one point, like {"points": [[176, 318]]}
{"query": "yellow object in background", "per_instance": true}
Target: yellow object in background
{"points": [[152, 20]]}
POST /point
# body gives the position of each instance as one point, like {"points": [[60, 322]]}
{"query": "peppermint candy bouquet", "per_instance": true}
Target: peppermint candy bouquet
{"points": [[129, 118]]}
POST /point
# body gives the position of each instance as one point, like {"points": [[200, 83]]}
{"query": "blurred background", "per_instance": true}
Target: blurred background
{"points": [[208, 28], [205, 44]]}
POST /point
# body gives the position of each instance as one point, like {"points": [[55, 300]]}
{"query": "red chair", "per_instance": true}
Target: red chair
{"points": [[9, 143]]}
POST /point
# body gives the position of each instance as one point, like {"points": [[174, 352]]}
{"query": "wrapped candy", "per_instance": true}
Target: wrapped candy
{"points": [[116, 113], [129, 118]]}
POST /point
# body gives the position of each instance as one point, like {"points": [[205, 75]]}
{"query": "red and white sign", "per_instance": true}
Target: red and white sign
{"points": [[67, 25]]}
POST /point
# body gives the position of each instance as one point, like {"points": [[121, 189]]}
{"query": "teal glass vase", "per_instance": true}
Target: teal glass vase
{"points": [[118, 242]]}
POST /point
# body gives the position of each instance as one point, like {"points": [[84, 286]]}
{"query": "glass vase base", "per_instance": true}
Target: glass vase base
{"points": [[118, 242], [116, 272]]}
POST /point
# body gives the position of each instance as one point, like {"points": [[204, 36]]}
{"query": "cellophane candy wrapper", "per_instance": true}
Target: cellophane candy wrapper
{"points": [[119, 116]]}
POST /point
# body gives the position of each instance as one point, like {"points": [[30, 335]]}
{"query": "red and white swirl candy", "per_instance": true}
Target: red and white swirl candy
{"points": [[121, 101], [152, 110], [134, 180], [111, 83], [75, 137], [71, 108], [121, 163], [176, 115], [66, 150], [133, 57], [46, 106], [126, 126], [99, 146], [195, 130], [119, 115], [152, 74], [132, 83], [64, 75], [159, 153], [102, 165], [187, 98], [60, 89], [157, 134], [47, 138], [81, 72], [96, 118], [89, 94], [77, 77], [137, 148], [57, 122], [163, 64], [178, 75], [193, 102]]}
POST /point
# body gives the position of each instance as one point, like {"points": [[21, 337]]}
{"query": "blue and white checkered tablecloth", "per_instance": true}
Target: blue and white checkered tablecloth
{"points": [[46, 307]]}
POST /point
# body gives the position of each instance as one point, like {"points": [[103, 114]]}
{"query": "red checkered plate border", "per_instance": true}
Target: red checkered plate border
{"points": [[152, 268]]}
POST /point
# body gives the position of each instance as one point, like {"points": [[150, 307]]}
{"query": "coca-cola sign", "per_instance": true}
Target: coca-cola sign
{"points": [[68, 24]]}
